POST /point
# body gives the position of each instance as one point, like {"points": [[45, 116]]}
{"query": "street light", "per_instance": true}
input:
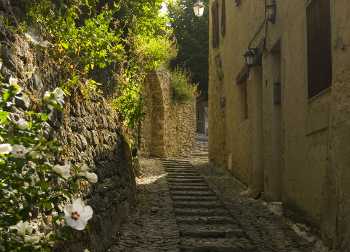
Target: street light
{"points": [[252, 57], [271, 11], [198, 8]]}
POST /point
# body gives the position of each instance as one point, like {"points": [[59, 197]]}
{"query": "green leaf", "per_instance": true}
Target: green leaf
{"points": [[3, 117]]}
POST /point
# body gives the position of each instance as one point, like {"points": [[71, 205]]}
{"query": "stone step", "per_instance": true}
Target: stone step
{"points": [[177, 165], [181, 169], [205, 220], [211, 231], [187, 164], [189, 187], [201, 212], [185, 180], [196, 204], [184, 172], [182, 176], [195, 184], [192, 193], [173, 169], [216, 245], [195, 197]]}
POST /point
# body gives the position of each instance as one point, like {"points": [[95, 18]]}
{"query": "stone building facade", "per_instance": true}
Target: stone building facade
{"points": [[168, 127], [282, 126]]}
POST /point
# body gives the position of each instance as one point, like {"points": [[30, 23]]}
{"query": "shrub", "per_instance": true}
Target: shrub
{"points": [[183, 90], [36, 191]]}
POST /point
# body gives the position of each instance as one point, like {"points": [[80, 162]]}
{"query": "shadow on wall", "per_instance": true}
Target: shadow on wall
{"points": [[112, 198]]}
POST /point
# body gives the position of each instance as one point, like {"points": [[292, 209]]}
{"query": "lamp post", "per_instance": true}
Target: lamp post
{"points": [[271, 11], [198, 8]]}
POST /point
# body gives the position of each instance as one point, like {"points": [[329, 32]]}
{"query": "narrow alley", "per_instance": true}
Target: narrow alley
{"points": [[175, 126], [184, 205]]}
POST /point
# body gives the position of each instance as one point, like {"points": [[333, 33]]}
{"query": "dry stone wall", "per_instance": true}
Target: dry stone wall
{"points": [[90, 133], [168, 128]]}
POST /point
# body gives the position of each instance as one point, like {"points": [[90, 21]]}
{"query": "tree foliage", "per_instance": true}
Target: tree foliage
{"points": [[93, 36], [191, 35]]}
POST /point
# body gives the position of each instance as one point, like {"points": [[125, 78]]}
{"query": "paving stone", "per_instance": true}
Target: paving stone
{"points": [[187, 212]]}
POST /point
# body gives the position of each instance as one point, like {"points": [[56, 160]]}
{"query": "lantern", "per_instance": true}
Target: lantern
{"points": [[251, 56], [198, 8]]}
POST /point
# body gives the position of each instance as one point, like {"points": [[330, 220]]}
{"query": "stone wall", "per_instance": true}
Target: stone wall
{"points": [[168, 128], [90, 133]]}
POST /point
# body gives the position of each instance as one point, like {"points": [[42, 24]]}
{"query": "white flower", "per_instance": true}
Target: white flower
{"points": [[34, 238], [13, 81], [5, 148], [54, 97], [21, 124], [23, 228], [84, 168], [1, 64], [63, 170], [19, 151], [84, 172], [77, 214], [59, 95], [91, 177]]}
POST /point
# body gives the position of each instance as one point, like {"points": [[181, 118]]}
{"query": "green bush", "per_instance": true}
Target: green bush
{"points": [[183, 90], [36, 190]]}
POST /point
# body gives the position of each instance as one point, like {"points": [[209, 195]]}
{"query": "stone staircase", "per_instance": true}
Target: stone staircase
{"points": [[200, 149], [205, 225]]}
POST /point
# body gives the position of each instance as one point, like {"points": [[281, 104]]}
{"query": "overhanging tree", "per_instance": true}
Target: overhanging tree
{"points": [[191, 35]]}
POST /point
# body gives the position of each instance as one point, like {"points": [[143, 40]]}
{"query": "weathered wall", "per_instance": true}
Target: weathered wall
{"points": [[168, 128], [90, 133], [229, 129], [294, 151], [336, 217]]}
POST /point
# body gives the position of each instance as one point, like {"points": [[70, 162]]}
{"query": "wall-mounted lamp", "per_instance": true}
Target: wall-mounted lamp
{"points": [[198, 8], [271, 11], [252, 57]]}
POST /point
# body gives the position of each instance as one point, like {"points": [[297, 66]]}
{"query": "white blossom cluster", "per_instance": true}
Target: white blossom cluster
{"points": [[37, 171]]}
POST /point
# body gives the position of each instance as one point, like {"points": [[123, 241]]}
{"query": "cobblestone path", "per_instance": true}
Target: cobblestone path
{"points": [[152, 227], [187, 205], [204, 222]]}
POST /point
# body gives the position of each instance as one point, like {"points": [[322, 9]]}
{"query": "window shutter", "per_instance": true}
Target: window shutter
{"points": [[319, 46]]}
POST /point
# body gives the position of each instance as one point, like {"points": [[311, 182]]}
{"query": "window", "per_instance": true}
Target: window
{"points": [[319, 46], [223, 18], [215, 24]]}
